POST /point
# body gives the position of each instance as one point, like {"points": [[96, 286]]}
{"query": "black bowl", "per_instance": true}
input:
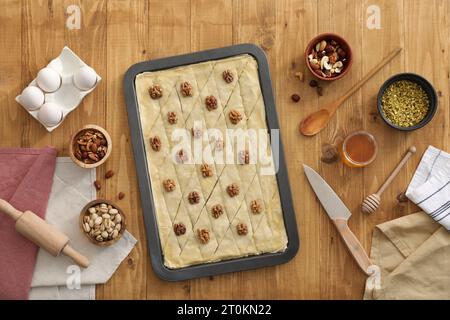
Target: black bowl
{"points": [[429, 89]]}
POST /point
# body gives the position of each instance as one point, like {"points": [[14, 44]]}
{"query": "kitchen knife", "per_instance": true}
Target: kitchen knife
{"points": [[339, 214]]}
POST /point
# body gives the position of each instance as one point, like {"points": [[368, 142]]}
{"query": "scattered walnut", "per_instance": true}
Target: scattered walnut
{"points": [[186, 89], [169, 185], [194, 197], [196, 133], [244, 157], [217, 211], [255, 206], [182, 156], [300, 76], [206, 170], [211, 103], [235, 116], [172, 117], [179, 229], [155, 91], [228, 76], [233, 190], [155, 142], [329, 153], [241, 229], [203, 235]]}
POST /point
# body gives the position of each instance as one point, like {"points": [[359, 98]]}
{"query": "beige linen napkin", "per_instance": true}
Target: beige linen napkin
{"points": [[413, 253], [57, 278]]}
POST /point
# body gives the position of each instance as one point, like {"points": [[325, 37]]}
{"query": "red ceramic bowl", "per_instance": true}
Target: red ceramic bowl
{"points": [[344, 45]]}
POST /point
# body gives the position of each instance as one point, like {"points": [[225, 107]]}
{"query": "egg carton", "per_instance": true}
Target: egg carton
{"points": [[68, 96]]}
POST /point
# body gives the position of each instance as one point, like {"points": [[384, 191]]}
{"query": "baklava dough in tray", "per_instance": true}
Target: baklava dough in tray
{"points": [[265, 230]]}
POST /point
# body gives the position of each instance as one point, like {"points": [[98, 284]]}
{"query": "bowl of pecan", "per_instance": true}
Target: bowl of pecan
{"points": [[328, 57], [90, 146]]}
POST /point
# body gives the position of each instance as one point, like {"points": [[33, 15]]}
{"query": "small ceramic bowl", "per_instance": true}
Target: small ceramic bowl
{"points": [[73, 145], [344, 45], [85, 212], [425, 84]]}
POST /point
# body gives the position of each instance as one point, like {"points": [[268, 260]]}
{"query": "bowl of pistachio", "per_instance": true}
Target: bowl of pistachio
{"points": [[407, 102]]}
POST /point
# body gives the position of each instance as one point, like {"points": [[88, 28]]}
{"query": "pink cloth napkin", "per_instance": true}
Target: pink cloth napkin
{"points": [[26, 177]]}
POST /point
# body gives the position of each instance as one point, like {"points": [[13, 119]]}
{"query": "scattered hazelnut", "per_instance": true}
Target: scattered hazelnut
{"points": [[330, 153]]}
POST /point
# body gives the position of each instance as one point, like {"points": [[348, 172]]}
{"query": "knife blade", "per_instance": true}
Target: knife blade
{"points": [[333, 205], [339, 214]]}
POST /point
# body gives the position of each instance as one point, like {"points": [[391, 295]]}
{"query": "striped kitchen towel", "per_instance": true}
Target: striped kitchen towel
{"points": [[430, 186]]}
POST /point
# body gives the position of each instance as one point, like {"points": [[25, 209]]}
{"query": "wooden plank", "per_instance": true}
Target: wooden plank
{"points": [[427, 25], [212, 27], [11, 84], [169, 33], [126, 44], [340, 276], [296, 26], [378, 43]]}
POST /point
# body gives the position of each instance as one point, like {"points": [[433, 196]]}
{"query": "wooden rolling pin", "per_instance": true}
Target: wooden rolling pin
{"points": [[43, 234]]}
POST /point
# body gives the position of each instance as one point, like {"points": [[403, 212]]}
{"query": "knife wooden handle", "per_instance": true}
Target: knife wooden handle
{"points": [[353, 245]]}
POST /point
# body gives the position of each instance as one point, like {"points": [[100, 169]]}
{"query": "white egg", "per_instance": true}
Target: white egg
{"points": [[85, 78], [50, 114], [48, 79], [32, 98]]}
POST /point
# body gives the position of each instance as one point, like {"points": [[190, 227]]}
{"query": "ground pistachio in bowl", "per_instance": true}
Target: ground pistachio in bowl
{"points": [[405, 103]]}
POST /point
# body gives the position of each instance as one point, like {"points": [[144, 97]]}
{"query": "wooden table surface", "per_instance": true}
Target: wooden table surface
{"points": [[116, 34]]}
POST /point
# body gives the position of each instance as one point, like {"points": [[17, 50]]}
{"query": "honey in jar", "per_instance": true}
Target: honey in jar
{"points": [[359, 149]]}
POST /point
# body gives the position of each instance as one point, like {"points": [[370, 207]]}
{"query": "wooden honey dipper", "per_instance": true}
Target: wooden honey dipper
{"points": [[372, 202], [42, 234]]}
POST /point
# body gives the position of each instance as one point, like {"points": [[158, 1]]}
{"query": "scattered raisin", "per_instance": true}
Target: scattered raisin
{"points": [[320, 91], [295, 97], [313, 83]]}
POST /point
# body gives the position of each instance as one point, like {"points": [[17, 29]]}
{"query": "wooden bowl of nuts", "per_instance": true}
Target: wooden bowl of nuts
{"points": [[102, 222], [328, 57], [90, 146]]}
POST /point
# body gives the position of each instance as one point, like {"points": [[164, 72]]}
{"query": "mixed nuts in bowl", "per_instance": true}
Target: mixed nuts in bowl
{"points": [[90, 146], [102, 222], [328, 57]]}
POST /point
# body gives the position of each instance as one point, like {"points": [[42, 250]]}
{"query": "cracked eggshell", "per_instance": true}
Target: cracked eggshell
{"points": [[48, 79], [85, 78], [32, 98], [50, 114]]}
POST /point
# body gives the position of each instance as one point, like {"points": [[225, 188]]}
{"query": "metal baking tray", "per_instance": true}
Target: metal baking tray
{"points": [[154, 244]]}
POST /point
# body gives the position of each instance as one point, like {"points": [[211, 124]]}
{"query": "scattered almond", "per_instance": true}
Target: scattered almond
{"points": [[109, 174]]}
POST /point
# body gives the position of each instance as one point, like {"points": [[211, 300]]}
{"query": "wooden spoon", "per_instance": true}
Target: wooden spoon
{"points": [[315, 122]]}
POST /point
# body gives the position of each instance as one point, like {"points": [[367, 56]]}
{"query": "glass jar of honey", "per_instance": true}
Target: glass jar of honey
{"points": [[359, 149]]}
